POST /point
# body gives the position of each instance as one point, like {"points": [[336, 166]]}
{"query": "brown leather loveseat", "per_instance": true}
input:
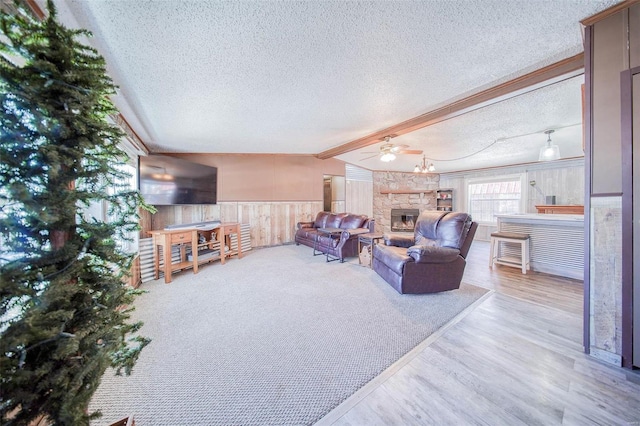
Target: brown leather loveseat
{"points": [[431, 260], [338, 246]]}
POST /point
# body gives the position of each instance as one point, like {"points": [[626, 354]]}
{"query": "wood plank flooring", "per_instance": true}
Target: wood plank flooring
{"points": [[514, 358]]}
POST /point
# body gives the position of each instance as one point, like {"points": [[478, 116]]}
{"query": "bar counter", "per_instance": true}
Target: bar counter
{"points": [[557, 241]]}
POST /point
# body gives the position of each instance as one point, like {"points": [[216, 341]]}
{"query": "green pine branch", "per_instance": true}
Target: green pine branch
{"points": [[63, 320]]}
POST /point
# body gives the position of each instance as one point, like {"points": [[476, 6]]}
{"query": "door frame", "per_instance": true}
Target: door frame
{"points": [[626, 122]]}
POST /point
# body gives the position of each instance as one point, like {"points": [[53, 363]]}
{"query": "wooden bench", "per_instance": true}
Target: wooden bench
{"points": [[510, 237]]}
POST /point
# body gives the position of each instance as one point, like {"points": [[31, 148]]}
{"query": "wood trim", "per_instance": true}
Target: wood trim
{"points": [[606, 194], [246, 154], [608, 12], [626, 122], [554, 73], [510, 165], [131, 134], [584, 120], [587, 138], [35, 8], [407, 191]]}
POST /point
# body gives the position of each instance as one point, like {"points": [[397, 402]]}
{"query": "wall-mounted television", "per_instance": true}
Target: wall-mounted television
{"points": [[164, 180]]}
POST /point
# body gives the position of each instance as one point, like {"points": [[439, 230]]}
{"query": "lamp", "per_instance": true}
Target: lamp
{"points": [[424, 168], [387, 156], [548, 151]]}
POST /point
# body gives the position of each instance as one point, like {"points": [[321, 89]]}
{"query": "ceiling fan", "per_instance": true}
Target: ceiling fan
{"points": [[389, 150]]}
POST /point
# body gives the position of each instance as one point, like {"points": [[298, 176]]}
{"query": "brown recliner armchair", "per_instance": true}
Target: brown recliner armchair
{"points": [[430, 261]]}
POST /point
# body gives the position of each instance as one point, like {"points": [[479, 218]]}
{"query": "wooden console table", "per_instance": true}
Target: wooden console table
{"points": [[168, 238], [226, 229], [560, 209]]}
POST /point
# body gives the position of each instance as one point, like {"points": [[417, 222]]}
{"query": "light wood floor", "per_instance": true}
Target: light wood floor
{"points": [[515, 357]]}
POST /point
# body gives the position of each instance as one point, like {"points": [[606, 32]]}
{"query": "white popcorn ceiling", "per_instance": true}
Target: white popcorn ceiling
{"points": [[303, 77]]}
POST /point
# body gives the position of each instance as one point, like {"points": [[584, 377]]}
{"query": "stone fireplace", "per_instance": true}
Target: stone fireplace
{"points": [[403, 220], [402, 191]]}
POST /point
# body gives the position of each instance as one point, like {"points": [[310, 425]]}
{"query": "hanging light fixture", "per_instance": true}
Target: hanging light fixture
{"points": [[548, 151], [424, 167]]}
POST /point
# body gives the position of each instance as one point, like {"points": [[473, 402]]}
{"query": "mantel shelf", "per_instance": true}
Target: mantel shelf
{"points": [[407, 191]]}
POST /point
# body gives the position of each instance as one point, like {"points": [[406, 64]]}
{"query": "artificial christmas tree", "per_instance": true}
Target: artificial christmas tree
{"points": [[62, 315]]}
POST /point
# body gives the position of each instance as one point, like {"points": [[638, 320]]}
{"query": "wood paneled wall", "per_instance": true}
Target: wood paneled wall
{"points": [[272, 193], [359, 197], [564, 179], [566, 183], [272, 223]]}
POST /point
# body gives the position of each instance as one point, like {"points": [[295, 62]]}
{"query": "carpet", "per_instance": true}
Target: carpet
{"points": [[279, 337]]}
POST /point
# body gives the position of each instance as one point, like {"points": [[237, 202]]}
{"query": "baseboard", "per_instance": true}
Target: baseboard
{"points": [[608, 357]]}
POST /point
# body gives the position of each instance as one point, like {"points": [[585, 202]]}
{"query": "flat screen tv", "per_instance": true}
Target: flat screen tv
{"points": [[164, 180]]}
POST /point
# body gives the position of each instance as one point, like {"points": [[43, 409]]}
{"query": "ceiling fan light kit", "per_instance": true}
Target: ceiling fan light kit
{"points": [[387, 156], [549, 151], [388, 151]]}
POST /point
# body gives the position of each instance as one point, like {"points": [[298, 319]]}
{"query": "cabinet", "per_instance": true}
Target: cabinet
{"points": [[444, 200]]}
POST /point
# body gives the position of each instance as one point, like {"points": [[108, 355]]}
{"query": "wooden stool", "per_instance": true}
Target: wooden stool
{"points": [[510, 237]]}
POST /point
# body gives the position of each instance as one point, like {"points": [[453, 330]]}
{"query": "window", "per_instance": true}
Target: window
{"points": [[128, 241], [489, 197]]}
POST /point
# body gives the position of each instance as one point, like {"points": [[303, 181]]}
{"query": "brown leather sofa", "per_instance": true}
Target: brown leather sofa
{"points": [[336, 246], [431, 260]]}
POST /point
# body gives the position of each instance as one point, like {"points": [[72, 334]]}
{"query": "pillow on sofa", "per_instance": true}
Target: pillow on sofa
{"points": [[321, 219], [353, 221], [334, 220]]}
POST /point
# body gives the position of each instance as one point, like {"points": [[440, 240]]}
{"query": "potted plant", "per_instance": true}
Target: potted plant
{"points": [[63, 314]]}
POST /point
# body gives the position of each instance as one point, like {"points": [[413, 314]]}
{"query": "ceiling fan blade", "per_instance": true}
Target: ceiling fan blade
{"points": [[398, 148], [369, 152], [409, 151], [366, 158]]}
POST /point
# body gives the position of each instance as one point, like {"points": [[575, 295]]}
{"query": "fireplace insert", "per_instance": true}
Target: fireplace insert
{"points": [[403, 220]]}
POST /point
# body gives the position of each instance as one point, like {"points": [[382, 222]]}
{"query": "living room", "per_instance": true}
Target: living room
{"points": [[291, 107]]}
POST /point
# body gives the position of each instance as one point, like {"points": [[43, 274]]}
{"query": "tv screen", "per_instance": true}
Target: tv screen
{"points": [[164, 180]]}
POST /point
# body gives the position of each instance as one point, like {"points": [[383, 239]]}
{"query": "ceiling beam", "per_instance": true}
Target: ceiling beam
{"points": [[551, 74]]}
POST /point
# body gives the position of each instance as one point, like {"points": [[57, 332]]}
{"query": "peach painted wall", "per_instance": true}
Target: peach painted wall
{"points": [[269, 177]]}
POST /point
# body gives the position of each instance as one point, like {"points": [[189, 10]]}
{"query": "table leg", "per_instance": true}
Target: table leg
{"points": [[194, 250], [222, 241], [239, 235], [156, 258], [315, 246], [166, 251]]}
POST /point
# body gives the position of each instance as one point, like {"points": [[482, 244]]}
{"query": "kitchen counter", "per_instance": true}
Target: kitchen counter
{"points": [[556, 241]]}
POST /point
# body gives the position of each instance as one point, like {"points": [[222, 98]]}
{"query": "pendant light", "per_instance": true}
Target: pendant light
{"points": [[548, 151]]}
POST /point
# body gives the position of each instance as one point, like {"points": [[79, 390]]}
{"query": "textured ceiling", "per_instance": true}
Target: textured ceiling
{"points": [[508, 132], [304, 77]]}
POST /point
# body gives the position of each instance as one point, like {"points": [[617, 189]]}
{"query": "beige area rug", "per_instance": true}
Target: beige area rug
{"points": [[279, 337]]}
